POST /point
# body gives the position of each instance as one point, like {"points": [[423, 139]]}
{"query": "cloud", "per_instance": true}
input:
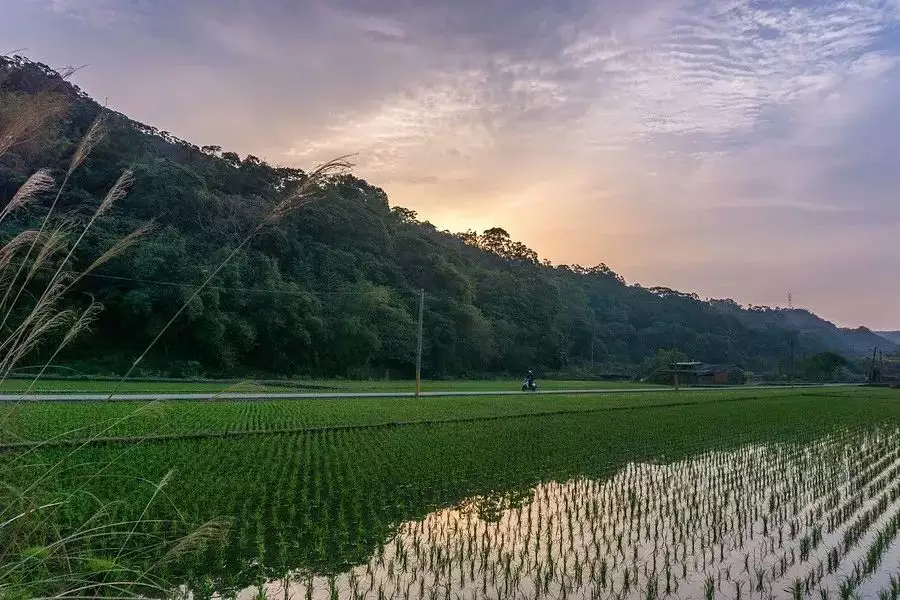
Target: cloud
{"points": [[100, 13], [679, 78], [384, 28], [448, 112], [722, 70], [668, 138]]}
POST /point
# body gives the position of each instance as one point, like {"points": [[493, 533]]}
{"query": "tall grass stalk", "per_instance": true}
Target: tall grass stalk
{"points": [[34, 563], [305, 193], [37, 559], [54, 563]]}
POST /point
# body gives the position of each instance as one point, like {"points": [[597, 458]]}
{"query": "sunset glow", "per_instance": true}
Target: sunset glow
{"points": [[735, 149]]}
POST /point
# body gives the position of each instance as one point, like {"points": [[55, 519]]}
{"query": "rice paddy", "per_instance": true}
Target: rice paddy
{"points": [[746, 523], [732, 494], [50, 385]]}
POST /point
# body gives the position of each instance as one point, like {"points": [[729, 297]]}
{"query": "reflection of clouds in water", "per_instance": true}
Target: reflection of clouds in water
{"points": [[756, 522]]}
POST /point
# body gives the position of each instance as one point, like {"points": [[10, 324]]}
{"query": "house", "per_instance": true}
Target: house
{"points": [[699, 373]]}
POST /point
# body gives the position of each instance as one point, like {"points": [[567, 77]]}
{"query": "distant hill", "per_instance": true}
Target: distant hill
{"points": [[893, 336], [851, 341], [334, 289], [863, 340]]}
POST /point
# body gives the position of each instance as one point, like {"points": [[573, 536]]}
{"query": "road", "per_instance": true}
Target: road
{"points": [[154, 396]]}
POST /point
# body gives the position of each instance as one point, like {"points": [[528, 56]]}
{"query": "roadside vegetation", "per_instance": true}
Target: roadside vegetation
{"points": [[53, 422]]}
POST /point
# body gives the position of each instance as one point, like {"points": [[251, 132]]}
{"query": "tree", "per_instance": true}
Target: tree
{"points": [[658, 369], [822, 366], [332, 290], [231, 158], [404, 215], [495, 240]]}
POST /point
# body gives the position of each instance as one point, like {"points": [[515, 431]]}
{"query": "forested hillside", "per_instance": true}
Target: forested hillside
{"points": [[333, 289]]}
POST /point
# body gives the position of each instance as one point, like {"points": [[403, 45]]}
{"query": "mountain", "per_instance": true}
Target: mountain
{"points": [[862, 340], [334, 289], [851, 341], [893, 336]]}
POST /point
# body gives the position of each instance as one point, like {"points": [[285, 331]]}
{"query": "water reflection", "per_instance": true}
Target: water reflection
{"points": [[764, 521]]}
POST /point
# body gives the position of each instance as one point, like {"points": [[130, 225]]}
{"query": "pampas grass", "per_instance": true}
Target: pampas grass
{"points": [[37, 559], [307, 192], [37, 184], [28, 117]]}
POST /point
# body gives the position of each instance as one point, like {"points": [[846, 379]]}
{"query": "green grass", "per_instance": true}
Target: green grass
{"points": [[43, 421], [324, 499], [47, 386], [100, 386]]}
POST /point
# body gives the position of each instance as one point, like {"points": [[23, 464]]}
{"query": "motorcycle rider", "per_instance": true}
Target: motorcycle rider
{"points": [[529, 379]]}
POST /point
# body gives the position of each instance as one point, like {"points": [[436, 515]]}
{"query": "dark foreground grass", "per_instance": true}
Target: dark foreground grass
{"points": [[321, 500]]}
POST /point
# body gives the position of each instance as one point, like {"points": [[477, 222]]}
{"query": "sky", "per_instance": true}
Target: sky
{"points": [[738, 149]]}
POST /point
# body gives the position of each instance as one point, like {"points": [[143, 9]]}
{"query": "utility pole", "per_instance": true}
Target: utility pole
{"points": [[419, 351]]}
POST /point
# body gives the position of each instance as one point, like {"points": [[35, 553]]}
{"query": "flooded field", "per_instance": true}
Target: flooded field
{"points": [[783, 494], [764, 521]]}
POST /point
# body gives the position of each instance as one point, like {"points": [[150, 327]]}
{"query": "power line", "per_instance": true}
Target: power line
{"points": [[209, 287], [421, 294], [226, 288], [178, 284]]}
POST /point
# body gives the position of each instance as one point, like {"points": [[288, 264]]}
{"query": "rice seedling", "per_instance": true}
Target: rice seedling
{"points": [[402, 512]]}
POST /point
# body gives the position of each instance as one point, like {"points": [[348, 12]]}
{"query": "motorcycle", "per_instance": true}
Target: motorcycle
{"points": [[529, 386]]}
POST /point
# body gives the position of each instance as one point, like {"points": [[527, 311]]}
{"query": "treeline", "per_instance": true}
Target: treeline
{"points": [[333, 290]]}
